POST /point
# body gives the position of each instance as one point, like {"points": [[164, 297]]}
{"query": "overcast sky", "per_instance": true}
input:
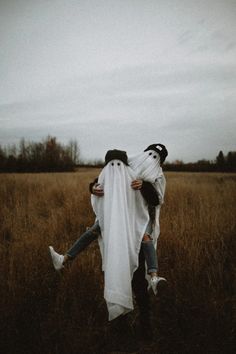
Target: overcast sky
{"points": [[120, 74]]}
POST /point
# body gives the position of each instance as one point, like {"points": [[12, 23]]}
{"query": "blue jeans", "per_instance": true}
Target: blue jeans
{"points": [[94, 231], [149, 250], [85, 239]]}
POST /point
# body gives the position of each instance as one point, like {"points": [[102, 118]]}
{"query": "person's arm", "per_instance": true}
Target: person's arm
{"points": [[95, 188], [91, 185]]}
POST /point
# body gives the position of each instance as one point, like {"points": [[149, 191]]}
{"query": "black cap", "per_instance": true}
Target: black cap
{"points": [[116, 155], [160, 149]]}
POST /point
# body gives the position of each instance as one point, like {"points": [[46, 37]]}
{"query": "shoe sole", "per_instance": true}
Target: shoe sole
{"points": [[162, 286]]}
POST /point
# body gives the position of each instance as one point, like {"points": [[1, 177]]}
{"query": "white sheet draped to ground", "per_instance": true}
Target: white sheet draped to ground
{"points": [[123, 217]]}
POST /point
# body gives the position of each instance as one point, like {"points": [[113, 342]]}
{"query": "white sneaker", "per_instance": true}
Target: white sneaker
{"points": [[153, 282], [157, 282], [57, 259]]}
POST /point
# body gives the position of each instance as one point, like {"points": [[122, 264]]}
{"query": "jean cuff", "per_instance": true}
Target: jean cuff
{"points": [[71, 257], [152, 270]]}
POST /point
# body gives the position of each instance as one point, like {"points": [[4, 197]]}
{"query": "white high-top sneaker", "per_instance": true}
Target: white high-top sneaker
{"points": [[57, 259]]}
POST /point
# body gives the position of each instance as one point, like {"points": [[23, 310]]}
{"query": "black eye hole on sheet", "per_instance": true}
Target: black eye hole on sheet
{"points": [[155, 156], [150, 153], [112, 163], [118, 163]]}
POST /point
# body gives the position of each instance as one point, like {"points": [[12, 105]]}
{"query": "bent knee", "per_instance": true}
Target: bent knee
{"points": [[146, 238]]}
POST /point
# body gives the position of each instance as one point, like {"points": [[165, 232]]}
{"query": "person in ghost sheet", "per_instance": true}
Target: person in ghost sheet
{"points": [[147, 167], [123, 218]]}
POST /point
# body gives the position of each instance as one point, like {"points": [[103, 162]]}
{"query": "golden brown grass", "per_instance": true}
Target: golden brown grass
{"points": [[43, 312]]}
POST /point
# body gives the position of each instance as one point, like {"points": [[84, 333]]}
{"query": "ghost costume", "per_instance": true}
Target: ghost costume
{"points": [[123, 218], [146, 166]]}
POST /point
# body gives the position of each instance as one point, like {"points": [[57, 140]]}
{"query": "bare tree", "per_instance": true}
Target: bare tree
{"points": [[74, 151]]}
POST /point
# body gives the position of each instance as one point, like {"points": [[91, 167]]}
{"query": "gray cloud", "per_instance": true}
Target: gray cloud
{"points": [[146, 105]]}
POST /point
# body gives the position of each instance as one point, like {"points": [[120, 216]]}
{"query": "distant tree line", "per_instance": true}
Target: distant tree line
{"points": [[49, 155], [46, 156], [222, 163]]}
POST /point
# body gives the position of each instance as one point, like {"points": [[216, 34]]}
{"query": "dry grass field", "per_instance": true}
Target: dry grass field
{"points": [[44, 312]]}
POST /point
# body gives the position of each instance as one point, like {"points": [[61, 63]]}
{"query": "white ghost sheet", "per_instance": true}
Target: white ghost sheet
{"points": [[123, 218], [146, 166]]}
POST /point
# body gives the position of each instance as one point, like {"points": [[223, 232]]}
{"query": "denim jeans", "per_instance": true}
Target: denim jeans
{"points": [[149, 250], [150, 256], [85, 239], [94, 231]]}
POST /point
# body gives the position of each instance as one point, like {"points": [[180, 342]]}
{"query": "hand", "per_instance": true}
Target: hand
{"points": [[137, 184], [98, 190]]}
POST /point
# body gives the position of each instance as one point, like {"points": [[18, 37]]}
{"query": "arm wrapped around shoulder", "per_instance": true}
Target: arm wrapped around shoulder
{"points": [[150, 194]]}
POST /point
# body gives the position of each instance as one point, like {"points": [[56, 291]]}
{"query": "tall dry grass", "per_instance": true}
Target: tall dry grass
{"points": [[44, 312]]}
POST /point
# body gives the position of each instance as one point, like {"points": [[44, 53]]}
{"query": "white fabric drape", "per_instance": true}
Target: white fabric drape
{"points": [[123, 218], [146, 166]]}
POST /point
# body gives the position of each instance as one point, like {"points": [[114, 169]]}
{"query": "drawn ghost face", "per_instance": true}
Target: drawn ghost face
{"points": [[146, 165]]}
